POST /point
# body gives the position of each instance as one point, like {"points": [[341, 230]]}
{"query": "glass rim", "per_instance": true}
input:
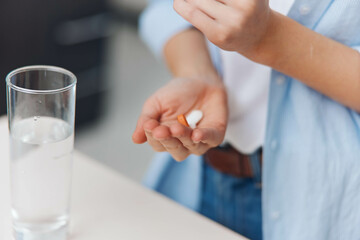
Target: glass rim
{"points": [[41, 67]]}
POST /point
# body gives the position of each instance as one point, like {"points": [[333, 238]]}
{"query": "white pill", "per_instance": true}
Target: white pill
{"points": [[194, 118]]}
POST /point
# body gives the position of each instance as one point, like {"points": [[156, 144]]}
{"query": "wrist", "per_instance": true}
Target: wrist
{"points": [[198, 72], [187, 56], [266, 50]]}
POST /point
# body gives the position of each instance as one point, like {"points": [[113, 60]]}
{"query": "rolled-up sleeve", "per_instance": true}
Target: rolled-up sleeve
{"points": [[158, 23]]}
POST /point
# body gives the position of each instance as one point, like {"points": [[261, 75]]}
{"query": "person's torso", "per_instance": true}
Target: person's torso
{"points": [[312, 147], [247, 87]]}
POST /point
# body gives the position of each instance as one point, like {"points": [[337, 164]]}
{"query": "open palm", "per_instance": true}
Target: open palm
{"points": [[158, 126]]}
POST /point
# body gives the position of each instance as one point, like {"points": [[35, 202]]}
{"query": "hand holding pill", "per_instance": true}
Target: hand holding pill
{"points": [[171, 119]]}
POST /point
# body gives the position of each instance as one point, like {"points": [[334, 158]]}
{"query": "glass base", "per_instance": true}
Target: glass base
{"points": [[58, 232]]}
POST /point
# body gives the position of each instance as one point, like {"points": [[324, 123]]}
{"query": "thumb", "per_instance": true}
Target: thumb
{"points": [[149, 111]]}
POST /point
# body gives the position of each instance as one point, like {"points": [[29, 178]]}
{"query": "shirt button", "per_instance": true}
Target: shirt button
{"points": [[273, 144], [280, 80], [275, 215], [304, 9]]}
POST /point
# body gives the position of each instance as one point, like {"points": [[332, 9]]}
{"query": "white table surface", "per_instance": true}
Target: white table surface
{"points": [[107, 206]]}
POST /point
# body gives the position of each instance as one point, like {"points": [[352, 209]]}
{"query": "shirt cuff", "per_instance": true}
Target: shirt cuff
{"points": [[356, 48], [158, 23]]}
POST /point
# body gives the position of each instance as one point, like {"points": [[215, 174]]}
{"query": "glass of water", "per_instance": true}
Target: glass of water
{"points": [[41, 112]]}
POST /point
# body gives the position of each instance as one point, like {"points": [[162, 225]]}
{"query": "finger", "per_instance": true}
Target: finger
{"points": [[175, 148], [211, 136], [202, 148], [171, 144], [139, 133], [161, 132], [213, 8], [149, 111], [197, 18], [149, 126], [155, 144], [226, 2], [184, 135]]}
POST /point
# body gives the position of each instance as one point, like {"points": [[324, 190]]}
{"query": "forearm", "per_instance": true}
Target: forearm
{"points": [[187, 56], [321, 63]]}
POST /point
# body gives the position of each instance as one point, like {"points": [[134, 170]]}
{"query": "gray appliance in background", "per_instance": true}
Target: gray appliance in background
{"points": [[67, 33]]}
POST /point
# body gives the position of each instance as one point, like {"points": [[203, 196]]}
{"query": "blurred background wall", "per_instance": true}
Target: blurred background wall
{"points": [[98, 41]]}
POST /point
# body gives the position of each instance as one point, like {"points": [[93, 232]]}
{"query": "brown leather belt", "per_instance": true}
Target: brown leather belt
{"points": [[229, 161]]}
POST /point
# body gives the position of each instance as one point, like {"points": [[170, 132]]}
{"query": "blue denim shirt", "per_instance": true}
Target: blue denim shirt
{"points": [[311, 174]]}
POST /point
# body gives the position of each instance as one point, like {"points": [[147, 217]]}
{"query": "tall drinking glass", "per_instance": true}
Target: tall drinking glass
{"points": [[41, 112]]}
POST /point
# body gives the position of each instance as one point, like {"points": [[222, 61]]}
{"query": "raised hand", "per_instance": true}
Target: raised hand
{"points": [[234, 25]]}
